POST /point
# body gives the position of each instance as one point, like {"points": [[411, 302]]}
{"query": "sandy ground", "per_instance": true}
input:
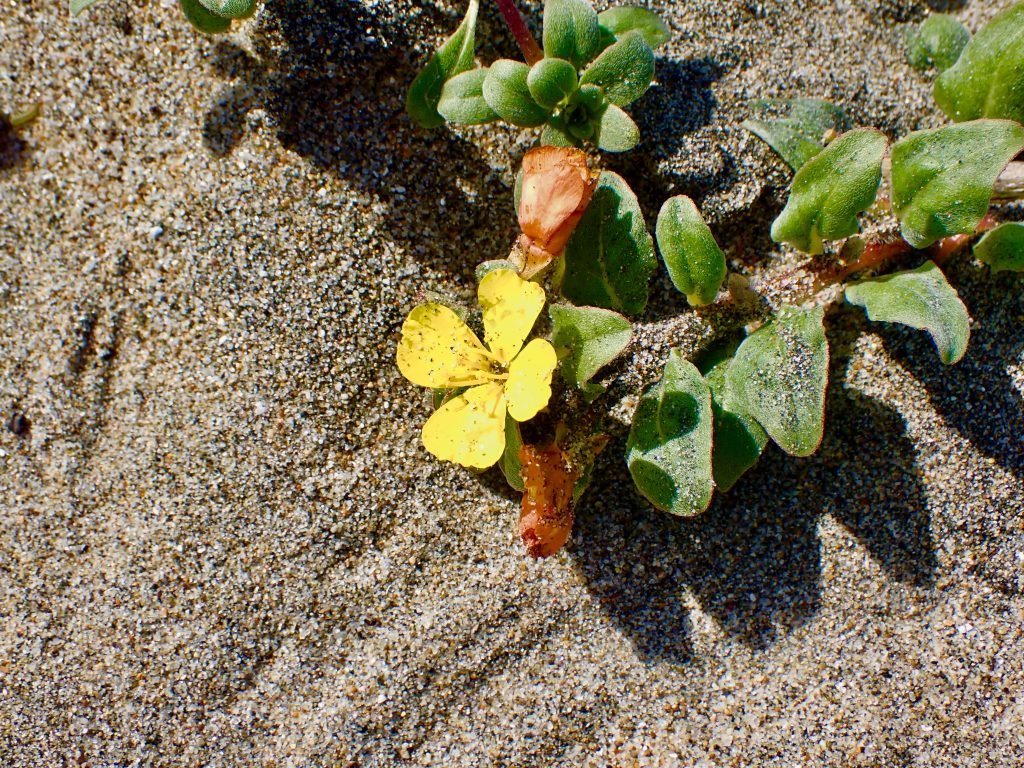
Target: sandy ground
{"points": [[221, 543]]}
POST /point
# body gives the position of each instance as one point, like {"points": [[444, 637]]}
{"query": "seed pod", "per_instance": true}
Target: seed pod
{"points": [[547, 513]]}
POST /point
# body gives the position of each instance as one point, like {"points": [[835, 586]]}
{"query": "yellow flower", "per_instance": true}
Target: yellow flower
{"points": [[439, 350]]}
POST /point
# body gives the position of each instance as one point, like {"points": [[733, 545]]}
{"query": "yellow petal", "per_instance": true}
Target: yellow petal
{"points": [[469, 429], [438, 349], [528, 388], [511, 306]]}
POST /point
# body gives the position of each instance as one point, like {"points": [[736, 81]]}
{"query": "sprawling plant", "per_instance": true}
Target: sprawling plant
{"points": [[587, 253]]}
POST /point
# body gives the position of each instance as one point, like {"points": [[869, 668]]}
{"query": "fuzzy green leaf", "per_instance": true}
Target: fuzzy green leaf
{"points": [[1003, 248], [694, 261], [937, 42], [593, 336], [484, 268], [452, 58], [778, 378], [988, 78], [509, 463], [615, 131], [624, 70], [571, 31], [230, 9], [556, 134], [202, 19], [942, 179], [551, 81], [623, 19], [669, 444], [738, 439], [920, 298], [830, 190], [610, 257], [797, 136], [462, 99], [77, 6], [507, 94]]}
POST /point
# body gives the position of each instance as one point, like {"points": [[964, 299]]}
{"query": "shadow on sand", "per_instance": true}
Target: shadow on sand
{"points": [[332, 79]]}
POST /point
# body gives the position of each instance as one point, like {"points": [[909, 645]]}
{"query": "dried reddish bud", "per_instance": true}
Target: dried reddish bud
{"points": [[547, 515], [557, 187]]}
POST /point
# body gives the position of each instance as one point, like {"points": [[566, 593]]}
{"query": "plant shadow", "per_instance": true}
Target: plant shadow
{"points": [[752, 561], [681, 102], [977, 397], [13, 149], [331, 79]]}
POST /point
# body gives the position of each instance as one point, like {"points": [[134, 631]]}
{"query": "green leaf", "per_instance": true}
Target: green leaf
{"points": [[230, 9], [556, 134], [669, 444], [77, 6], [942, 179], [1003, 248], [615, 131], [694, 261], [937, 42], [452, 58], [509, 463], [570, 31], [799, 135], [624, 70], [610, 257], [202, 19], [593, 336], [484, 268], [830, 190], [778, 378], [738, 439], [506, 92], [988, 78], [629, 18], [440, 396], [586, 478], [462, 99], [551, 81], [920, 298]]}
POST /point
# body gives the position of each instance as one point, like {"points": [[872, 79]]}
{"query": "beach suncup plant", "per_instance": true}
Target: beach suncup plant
{"points": [[585, 252]]}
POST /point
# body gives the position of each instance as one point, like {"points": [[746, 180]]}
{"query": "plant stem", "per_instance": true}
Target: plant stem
{"points": [[517, 26], [1010, 184]]}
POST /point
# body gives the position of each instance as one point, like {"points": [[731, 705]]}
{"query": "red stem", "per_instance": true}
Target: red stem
{"points": [[517, 25], [874, 255]]}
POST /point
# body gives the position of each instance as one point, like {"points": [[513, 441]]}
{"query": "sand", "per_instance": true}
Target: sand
{"points": [[221, 543]]}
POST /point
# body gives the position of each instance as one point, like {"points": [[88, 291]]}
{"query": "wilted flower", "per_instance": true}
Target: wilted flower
{"points": [[557, 187]]}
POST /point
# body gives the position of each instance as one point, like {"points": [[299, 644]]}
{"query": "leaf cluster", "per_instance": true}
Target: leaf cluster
{"points": [[593, 65]]}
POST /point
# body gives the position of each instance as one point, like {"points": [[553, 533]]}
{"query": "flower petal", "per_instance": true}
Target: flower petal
{"points": [[511, 306], [438, 349], [528, 388], [469, 429]]}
